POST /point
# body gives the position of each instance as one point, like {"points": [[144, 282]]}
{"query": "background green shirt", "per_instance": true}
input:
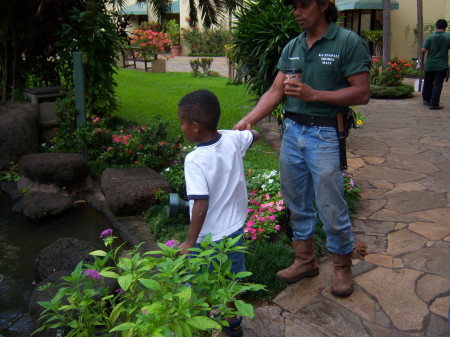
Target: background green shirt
{"points": [[437, 45], [338, 54]]}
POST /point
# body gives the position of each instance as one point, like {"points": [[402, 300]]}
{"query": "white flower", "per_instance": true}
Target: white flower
{"points": [[167, 169], [273, 173], [270, 181], [263, 187]]}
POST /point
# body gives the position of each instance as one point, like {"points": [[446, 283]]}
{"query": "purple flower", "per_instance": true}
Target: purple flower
{"points": [[92, 273], [120, 291], [34, 283], [106, 233], [171, 243]]}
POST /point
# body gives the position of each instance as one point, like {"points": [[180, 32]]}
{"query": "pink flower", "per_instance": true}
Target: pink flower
{"points": [[171, 243], [106, 233], [277, 227]]}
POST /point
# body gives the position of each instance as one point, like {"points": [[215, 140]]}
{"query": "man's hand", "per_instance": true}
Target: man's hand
{"points": [[184, 247], [243, 124], [300, 91]]}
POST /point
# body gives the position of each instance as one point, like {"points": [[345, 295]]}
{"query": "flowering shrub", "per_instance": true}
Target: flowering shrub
{"points": [[350, 187], [137, 146], [266, 205], [151, 43], [392, 76], [358, 118], [153, 298], [207, 41]]}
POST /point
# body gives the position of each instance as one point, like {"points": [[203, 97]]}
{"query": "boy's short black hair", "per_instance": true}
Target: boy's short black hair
{"points": [[441, 24], [200, 106]]}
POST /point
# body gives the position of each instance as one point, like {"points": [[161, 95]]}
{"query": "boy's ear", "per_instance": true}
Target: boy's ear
{"points": [[196, 126]]}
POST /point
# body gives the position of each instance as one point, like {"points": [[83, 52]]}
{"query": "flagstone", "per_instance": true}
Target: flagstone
{"points": [[439, 215], [404, 241], [435, 184], [324, 318], [374, 160], [398, 263], [371, 193], [432, 156], [407, 187], [372, 226], [381, 183], [434, 141], [366, 208], [440, 306], [388, 215], [394, 291], [400, 225], [430, 230], [432, 260], [359, 303], [380, 260], [355, 163], [405, 162], [405, 202], [395, 175], [430, 286], [309, 288], [379, 331]]}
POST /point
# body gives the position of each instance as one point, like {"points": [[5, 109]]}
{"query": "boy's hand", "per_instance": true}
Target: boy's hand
{"points": [[184, 247]]}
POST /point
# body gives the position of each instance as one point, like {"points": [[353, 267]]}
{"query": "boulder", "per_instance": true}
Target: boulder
{"points": [[37, 205], [64, 254], [19, 131], [131, 191], [64, 170]]}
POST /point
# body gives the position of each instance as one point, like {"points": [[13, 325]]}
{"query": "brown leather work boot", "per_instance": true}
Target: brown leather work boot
{"points": [[342, 284], [304, 265]]}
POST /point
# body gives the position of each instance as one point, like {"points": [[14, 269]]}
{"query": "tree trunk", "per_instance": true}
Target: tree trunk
{"points": [[419, 30], [386, 32]]}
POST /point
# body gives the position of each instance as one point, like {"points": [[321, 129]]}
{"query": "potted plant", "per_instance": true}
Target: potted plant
{"points": [[376, 37], [173, 31], [149, 45]]}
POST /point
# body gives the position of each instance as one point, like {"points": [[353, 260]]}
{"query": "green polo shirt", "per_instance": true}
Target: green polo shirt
{"points": [[437, 45], [338, 54]]}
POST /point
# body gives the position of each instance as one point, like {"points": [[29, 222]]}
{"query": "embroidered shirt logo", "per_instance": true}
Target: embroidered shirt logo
{"points": [[293, 58], [328, 58]]}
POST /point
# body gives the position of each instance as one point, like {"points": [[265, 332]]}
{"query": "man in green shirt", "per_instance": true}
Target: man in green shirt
{"points": [[335, 65], [436, 66]]}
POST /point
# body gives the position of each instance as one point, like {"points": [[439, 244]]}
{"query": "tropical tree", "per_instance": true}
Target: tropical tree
{"points": [[386, 32]]}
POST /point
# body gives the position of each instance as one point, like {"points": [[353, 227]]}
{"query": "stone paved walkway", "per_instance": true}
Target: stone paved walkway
{"points": [[400, 160]]}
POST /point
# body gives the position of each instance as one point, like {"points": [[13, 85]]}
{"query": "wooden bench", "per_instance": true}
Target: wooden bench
{"points": [[129, 58]]}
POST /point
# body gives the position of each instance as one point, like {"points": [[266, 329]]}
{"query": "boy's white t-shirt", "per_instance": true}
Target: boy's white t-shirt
{"points": [[215, 171]]}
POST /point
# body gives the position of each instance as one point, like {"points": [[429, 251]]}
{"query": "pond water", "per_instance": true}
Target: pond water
{"points": [[21, 241]]}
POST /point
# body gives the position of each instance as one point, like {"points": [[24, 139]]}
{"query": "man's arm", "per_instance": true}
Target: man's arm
{"points": [[266, 104], [199, 211], [357, 93]]}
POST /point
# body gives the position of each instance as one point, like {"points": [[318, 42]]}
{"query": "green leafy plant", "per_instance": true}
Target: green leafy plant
{"points": [[92, 31], [401, 91], [262, 30], [376, 37], [174, 33], [204, 42], [203, 63], [12, 174], [160, 292]]}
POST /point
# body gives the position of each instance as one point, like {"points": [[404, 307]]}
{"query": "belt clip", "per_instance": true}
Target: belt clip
{"points": [[311, 121]]}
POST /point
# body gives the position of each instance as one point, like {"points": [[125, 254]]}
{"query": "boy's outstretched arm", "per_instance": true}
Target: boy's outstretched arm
{"points": [[255, 135], [199, 211]]}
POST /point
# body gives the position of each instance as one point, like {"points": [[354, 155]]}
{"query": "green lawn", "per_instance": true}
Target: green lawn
{"points": [[143, 95]]}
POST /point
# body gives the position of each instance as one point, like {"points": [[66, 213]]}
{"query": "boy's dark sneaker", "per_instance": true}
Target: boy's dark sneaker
{"points": [[436, 107], [234, 329]]}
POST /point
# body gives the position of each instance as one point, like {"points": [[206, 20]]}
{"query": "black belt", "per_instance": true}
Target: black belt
{"points": [[311, 120]]}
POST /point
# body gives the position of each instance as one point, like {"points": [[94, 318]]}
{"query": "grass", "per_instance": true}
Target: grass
{"points": [[142, 95]]}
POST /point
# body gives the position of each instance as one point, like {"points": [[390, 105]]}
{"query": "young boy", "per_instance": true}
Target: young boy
{"points": [[214, 173]]}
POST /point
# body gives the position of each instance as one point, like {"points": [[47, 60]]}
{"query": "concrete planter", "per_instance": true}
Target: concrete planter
{"points": [[159, 66]]}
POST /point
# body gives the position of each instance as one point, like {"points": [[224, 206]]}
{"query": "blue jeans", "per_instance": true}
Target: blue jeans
{"points": [[310, 168], [432, 86]]}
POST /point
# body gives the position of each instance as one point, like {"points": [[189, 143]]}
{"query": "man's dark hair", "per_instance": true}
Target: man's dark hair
{"points": [[441, 24], [200, 106], [331, 14]]}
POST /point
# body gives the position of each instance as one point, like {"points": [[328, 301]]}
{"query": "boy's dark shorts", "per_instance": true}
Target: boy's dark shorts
{"points": [[237, 258]]}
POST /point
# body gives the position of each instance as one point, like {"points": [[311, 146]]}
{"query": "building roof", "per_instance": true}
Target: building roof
{"points": [[344, 5]]}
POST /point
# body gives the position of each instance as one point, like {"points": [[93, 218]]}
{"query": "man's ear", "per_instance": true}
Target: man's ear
{"points": [[324, 7]]}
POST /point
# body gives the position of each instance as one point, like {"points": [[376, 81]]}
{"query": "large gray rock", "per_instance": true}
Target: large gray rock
{"points": [[131, 191], [19, 131], [64, 254], [37, 205], [64, 170]]}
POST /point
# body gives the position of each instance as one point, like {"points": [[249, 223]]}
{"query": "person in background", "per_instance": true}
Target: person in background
{"points": [[335, 65], [436, 65], [215, 181]]}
